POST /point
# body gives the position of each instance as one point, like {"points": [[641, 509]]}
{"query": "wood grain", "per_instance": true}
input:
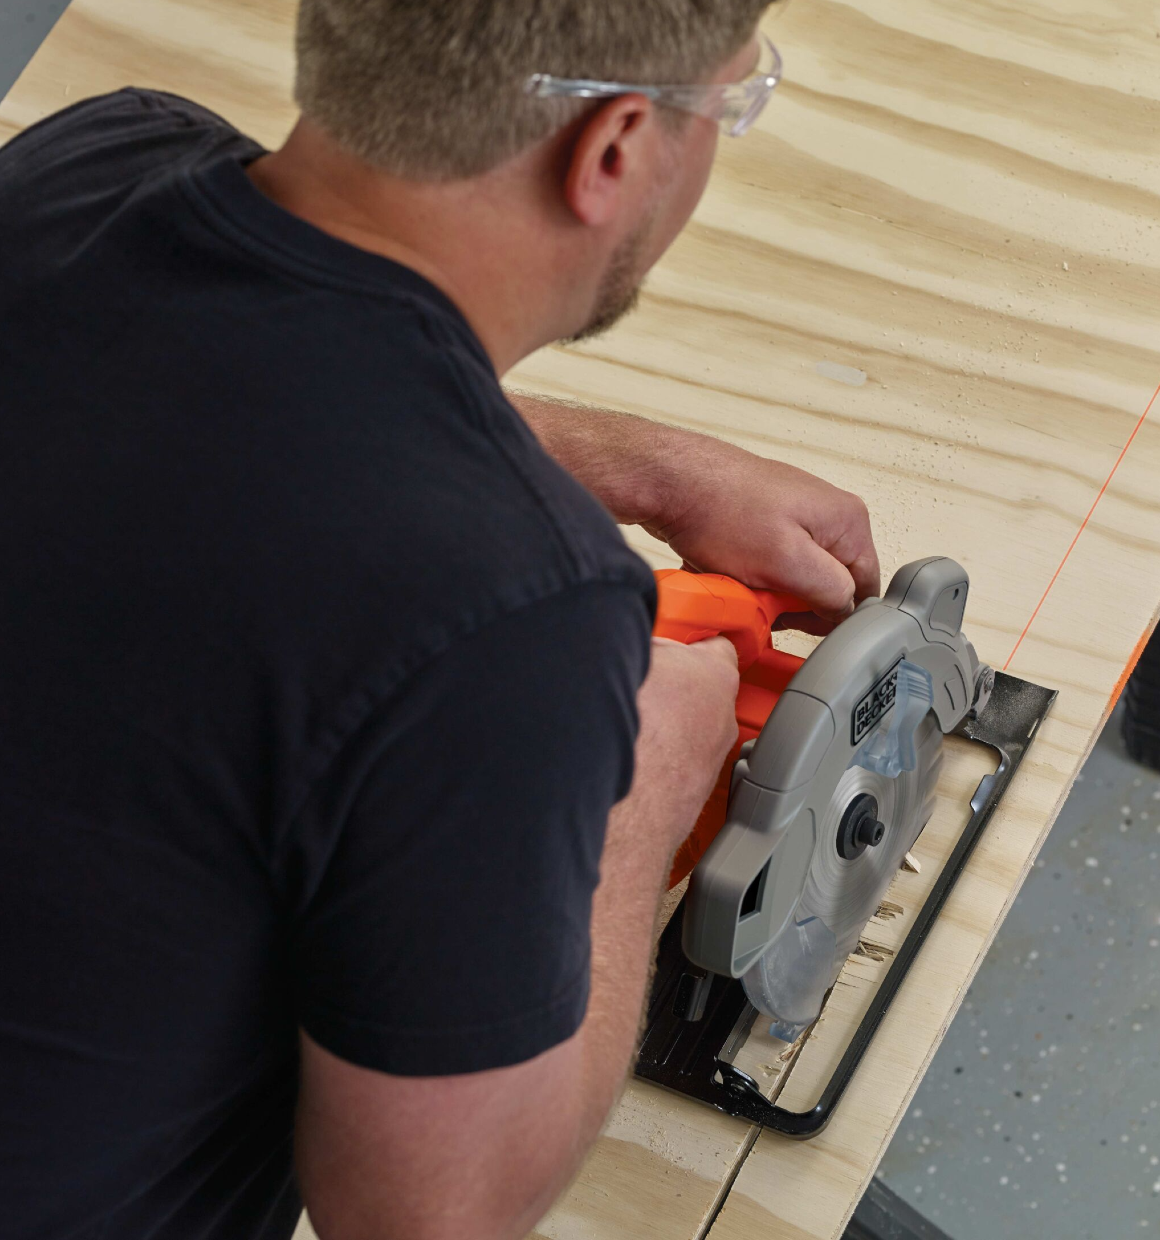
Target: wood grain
{"points": [[961, 202]]}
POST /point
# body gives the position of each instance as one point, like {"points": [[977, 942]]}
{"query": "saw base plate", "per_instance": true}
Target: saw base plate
{"points": [[697, 1021]]}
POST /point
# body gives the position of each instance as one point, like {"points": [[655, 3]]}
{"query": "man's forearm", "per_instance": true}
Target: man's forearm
{"points": [[631, 464], [687, 727], [623, 917], [720, 509]]}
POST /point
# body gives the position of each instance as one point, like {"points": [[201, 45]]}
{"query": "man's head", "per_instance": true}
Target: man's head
{"points": [[435, 89], [435, 92]]}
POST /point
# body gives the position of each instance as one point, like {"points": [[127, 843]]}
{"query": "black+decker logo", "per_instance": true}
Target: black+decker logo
{"points": [[875, 704]]}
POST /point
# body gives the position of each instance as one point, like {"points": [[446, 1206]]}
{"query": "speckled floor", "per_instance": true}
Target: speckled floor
{"points": [[1040, 1115]]}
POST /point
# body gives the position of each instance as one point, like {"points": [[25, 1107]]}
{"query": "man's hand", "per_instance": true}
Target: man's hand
{"points": [[688, 724], [720, 508], [773, 527]]}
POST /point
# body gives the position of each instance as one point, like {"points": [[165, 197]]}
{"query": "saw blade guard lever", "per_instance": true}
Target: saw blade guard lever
{"points": [[890, 749]]}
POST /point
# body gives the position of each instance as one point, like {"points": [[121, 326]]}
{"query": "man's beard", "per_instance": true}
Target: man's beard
{"points": [[619, 290]]}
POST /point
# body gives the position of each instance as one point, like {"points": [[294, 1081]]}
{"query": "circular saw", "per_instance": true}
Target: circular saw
{"points": [[833, 779]]}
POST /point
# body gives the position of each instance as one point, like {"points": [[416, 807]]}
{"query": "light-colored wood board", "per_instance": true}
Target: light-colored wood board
{"points": [[234, 56], [959, 200], [661, 1161]]}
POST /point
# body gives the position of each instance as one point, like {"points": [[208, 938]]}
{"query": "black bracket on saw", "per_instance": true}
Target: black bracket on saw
{"points": [[696, 1021]]}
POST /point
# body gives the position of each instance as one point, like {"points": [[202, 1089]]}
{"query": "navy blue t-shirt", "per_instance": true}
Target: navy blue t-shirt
{"points": [[317, 683]]}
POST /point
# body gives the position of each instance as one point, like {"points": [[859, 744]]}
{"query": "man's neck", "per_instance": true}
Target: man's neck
{"points": [[474, 240]]}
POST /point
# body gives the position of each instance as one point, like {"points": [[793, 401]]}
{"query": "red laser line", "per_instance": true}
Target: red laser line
{"points": [[1083, 526]]}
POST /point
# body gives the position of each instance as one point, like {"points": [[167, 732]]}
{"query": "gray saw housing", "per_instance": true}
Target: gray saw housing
{"points": [[746, 889]]}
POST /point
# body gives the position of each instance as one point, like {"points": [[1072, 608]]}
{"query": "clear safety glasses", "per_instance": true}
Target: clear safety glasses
{"points": [[734, 106]]}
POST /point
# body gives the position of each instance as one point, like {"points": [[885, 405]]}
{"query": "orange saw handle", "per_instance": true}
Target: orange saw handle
{"points": [[692, 607]]}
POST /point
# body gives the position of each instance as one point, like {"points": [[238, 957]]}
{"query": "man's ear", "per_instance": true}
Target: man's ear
{"points": [[611, 159]]}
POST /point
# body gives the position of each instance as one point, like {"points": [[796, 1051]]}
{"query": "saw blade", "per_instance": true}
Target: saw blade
{"points": [[841, 894]]}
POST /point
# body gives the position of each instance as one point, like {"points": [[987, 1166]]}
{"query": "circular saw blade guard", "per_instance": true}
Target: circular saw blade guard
{"points": [[833, 793], [789, 981]]}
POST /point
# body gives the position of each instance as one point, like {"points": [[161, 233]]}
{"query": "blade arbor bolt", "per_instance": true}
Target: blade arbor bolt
{"points": [[860, 828]]}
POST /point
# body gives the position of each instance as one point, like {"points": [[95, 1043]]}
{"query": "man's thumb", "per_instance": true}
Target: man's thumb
{"points": [[821, 581]]}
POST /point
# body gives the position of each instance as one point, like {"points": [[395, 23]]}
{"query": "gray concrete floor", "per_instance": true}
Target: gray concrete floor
{"points": [[1039, 1114]]}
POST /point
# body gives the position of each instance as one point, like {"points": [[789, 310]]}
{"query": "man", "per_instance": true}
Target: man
{"points": [[319, 675]]}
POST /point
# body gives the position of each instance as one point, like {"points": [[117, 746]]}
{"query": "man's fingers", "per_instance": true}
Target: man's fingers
{"points": [[854, 547], [804, 622], [820, 580], [867, 577], [720, 648], [863, 564]]}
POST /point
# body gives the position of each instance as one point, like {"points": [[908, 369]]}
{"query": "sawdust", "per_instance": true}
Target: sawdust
{"points": [[888, 910], [873, 951], [639, 1118], [787, 1055], [911, 864]]}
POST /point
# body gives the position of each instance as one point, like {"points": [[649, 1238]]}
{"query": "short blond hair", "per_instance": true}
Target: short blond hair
{"points": [[434, 89]]}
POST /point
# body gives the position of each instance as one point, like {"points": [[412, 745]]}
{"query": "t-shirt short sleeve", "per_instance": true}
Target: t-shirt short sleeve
{"points": [[448, 860]]}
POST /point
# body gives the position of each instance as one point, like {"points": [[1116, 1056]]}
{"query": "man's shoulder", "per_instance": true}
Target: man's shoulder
{"points": [[128, 114], [410, 489], [462, 470], [390, 404], [316, 398], [545, 507], [105, 142]]}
